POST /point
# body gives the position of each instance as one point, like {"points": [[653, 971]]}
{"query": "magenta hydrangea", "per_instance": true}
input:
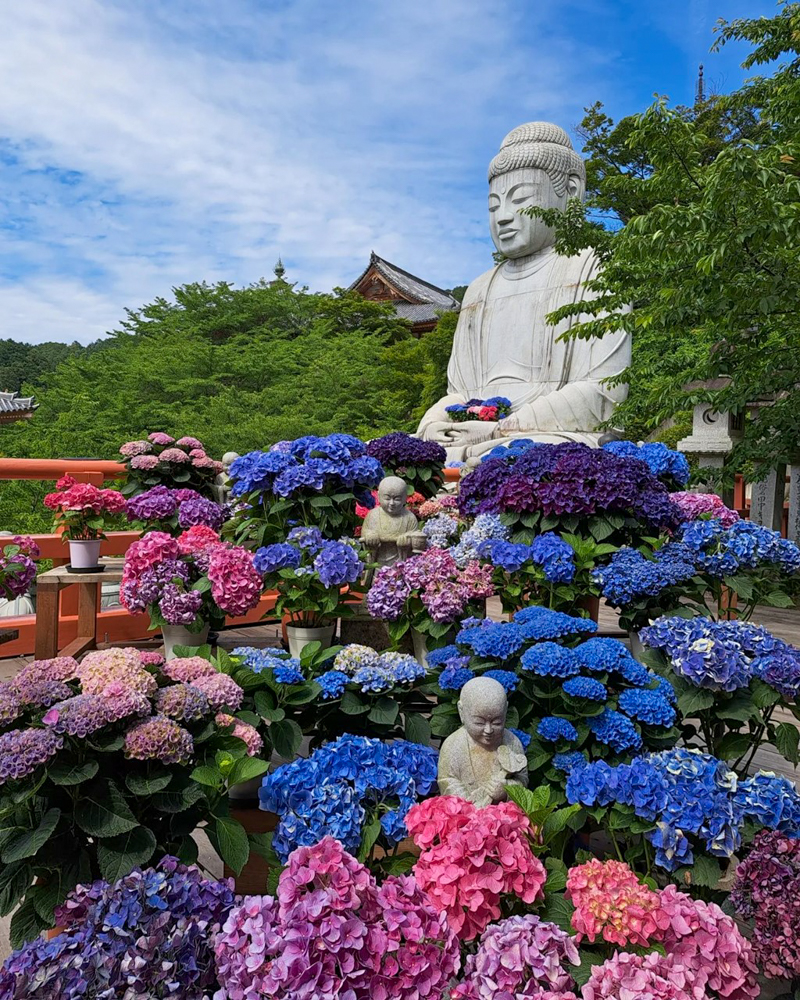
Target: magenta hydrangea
{"points": [[183, 702], [332, 933], [160, 438], [23, 750], [222, 691], [644, 977], [235, 584], [159, 738]]}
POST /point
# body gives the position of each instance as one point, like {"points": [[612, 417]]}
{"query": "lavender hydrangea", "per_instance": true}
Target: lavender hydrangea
{"points": [[23, 750], [179, 607], [159, 738], [10, 704], [183, 702], [38, 692], [80, 715]]}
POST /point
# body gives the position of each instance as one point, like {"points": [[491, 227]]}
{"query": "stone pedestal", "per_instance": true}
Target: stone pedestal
{"points": [[713, 437], [793, 531], [766, 499]]}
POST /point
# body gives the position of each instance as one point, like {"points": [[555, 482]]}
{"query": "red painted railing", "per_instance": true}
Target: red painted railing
{"points": [[113, 624]]}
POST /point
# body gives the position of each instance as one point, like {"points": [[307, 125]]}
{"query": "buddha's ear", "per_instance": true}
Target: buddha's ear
{"points": [[575, 186]]}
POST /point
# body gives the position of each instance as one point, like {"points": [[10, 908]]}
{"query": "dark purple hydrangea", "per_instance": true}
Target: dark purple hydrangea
{"points": [[148, 587], [199, 510], [399, 449], [183, 702], [180, 607], [156, 504], [23, 750], [148, 935]]}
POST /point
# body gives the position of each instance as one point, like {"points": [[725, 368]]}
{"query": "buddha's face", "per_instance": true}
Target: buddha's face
{"points": [[517, 235], [392, 498], [484, 720]]}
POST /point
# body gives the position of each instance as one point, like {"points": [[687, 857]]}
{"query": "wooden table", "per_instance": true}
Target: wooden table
{"points": [[49, 586]]}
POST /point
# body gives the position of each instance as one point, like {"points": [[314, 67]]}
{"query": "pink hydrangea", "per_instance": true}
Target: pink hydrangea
{"points": [[159, 738], [639, 977], [241, 730], [332, 934], [114, 671], [694, 505], [204, 462], [222, 691], [59, 668], [197, 539], [434, 820], [158, 437], [709, 945], [174, 455], [189, 443], [197, 453], [235, 585], [151, 658], [610, 903], [187, 669], [147, 552], [133, 448], [144, 463], [473, 864], [522, 956]]}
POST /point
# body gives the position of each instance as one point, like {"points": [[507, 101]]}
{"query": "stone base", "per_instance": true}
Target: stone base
{"points": [[369, 631]]}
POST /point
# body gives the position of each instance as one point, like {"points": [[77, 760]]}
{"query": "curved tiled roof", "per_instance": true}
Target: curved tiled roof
{"points": [[413, 289]]}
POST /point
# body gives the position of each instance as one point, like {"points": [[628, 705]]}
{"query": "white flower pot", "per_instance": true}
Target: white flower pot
{"points": [[246, 791], [420, 643], [83, 553], [299, 637], [179, 635]]}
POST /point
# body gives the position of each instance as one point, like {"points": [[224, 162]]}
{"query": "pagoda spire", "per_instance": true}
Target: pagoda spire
{"points": [[700, 91], [279, 270]]}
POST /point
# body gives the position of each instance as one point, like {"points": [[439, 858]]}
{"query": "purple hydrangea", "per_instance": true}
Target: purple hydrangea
{"points": [[159, 738], [199, 510], [179, 607], [40, 692], [398, 449], [10, 704], [23, 750], [338, 563], [156, 504], [183, 702], [79, 715]]}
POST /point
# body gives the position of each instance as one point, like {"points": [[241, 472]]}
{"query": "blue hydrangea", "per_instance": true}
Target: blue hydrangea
{"points": [[260, 659], [568, 761], [585, 687], [495, 640], [373, 680], [780, 668], [309, 538], [506, 555], [609, 656], [548, 659], [508, 679], [542, 623], [772, 801], [745, 545], [438, 657], [271, 558], [555, 556], [629, 576], [401, 666], [553, 729], [333, 684], [664, 687], [342, 784], [353, 656], [615, 730], [662, 461], [524, 738], [453, 678], [484, 528], [647, 706], [288, 672], [439, 530], [338, 563]]}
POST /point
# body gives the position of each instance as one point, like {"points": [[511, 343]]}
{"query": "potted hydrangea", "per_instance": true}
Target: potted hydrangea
{"points": [[160, 460], [188, 583], [309, 571], [311, 481], [174, 510], [419, 463], [82, 512]]}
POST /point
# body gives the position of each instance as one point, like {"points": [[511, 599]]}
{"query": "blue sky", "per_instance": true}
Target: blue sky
{"points": [[148, 143]]}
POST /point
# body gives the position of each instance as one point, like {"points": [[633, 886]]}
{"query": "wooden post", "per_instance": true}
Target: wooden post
{"points": [[46, 620]]}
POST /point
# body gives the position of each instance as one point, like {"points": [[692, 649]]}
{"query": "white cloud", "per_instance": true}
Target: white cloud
{"points": [[154, 142]]}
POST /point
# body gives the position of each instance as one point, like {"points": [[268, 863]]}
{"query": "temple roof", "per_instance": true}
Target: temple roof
{"points": [[15, 407], [406, 286]]}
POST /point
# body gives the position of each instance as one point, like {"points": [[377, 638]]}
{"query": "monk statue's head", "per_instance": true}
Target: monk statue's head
{"points": [[536, 165], [393, 495], [483, 706]]}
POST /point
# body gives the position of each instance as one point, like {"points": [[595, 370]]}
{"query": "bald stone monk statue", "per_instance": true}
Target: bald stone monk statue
{"points": [[477, 761], [503, 344]]}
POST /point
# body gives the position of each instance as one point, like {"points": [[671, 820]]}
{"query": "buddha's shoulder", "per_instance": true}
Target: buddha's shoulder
{"points": [[454, 741]]}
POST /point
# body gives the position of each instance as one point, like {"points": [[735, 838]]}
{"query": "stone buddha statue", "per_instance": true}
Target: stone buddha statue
{"points": [[503, 344], [388, 529], [477, 761]]}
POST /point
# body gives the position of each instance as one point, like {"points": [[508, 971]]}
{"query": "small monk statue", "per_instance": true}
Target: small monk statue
{"points": [[477, 761], [387, 529]]}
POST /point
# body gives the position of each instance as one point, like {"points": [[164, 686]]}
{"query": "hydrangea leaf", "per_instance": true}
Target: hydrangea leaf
{"points": [[589, 959], [417, 729], [231, 842], [384, 712], [15, 880], [26, 924], [286, 738], [732, 745], [695, 700], [103, 812], [705, 872], [787, 740], [70, 771], [147, 784], [26, 845], [247, 768], [118, 855]]}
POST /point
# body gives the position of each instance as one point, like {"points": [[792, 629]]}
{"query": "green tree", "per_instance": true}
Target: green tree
{"points": [[709, 252]]}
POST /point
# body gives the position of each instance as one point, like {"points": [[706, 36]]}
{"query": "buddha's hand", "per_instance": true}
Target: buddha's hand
{"points": [[403, 541], [371, 541], [460, 435], [508, 425]]}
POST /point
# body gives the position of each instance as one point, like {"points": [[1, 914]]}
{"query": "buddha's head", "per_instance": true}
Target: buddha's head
{"points": [[483, 706], [536, 165], [393, 495]]}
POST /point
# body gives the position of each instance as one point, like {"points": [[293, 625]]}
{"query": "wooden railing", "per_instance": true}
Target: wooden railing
{"points": [[113, 624]]}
